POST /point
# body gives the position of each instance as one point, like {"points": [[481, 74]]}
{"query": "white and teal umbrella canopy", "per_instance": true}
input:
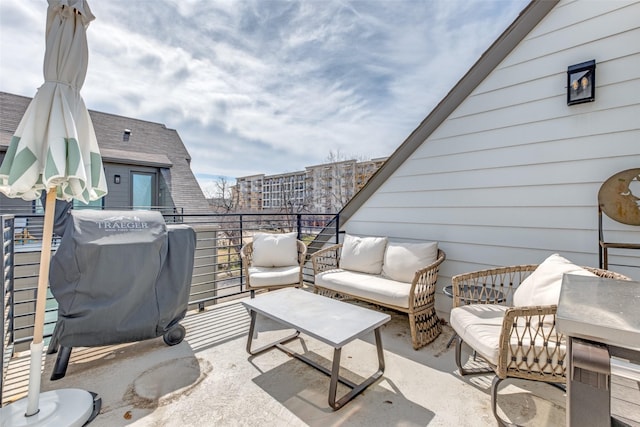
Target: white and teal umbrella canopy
{"points": [[55, 145]]}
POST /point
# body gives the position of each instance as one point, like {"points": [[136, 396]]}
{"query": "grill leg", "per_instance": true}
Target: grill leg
{"points": [[60, 368], [53, 344]]}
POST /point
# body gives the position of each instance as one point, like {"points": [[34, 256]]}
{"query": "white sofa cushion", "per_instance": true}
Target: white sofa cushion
{"points": [[273, 276], [402, 260], [363, 254], [480, 325], [542, 287], [366, 286], [275, 250]]}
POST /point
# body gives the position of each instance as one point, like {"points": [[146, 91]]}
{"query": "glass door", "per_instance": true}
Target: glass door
{"points": [[143, 192]]}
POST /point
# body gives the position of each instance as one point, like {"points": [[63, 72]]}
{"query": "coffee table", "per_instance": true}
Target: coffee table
{"points": [[330, 321]]}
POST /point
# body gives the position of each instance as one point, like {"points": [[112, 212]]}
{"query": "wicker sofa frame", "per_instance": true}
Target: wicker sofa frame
{"points": [[423, 321], [525, 323], [246, 254]]}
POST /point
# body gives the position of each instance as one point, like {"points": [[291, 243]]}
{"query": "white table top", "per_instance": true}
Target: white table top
{"points": [[333, 322], [601, 310]]}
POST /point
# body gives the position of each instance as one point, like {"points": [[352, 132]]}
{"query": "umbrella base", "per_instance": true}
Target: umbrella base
{"points": [[65, 407]]}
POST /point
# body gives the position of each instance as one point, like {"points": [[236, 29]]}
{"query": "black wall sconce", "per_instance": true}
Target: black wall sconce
{"points": [[581, 83], [116, 179]]}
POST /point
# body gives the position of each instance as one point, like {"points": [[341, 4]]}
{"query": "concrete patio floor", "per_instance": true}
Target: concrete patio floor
{"points": [[210, 380]]}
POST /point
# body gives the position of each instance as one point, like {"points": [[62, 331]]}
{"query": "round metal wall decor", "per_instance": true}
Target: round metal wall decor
{"points": [[617, 199]]}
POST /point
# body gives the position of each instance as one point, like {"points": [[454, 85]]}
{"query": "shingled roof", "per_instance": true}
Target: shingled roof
{"points": [[150, 144]]}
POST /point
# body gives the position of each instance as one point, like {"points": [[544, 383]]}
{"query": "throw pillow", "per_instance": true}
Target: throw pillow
{"points": [[363, 254], [275, 250], [402, 260], [542, 287]]}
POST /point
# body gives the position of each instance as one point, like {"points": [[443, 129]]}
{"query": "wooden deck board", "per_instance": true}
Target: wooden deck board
{"points": [[625, 400]]}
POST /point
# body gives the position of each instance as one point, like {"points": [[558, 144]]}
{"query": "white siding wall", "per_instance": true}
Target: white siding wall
{"points": [[513, 174]]}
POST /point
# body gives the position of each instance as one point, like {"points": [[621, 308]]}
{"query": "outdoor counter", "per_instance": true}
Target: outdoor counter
{"points": [[601, 318]]}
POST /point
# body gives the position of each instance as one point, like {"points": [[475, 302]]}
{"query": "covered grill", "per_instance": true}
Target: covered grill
{"points": [[119, 276]]}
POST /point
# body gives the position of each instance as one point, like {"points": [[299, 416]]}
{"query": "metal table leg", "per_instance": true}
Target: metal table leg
{"points": [[266, 346], [355, 388], [588, 384], [334, 373]]}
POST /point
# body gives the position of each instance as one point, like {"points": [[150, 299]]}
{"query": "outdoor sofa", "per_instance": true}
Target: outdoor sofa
{"points": [[398, 275]]}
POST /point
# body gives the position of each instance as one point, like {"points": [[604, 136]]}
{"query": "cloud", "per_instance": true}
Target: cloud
{"points": [[267, 86]]}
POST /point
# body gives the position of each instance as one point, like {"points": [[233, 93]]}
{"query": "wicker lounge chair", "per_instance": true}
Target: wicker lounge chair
{"points": [[516, 342], [279, 270]]}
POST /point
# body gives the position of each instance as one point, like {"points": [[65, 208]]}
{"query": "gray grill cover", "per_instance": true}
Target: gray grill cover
{"points": [[120, 276]]}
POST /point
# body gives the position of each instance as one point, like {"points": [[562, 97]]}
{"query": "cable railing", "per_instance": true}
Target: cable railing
{"points": [[217, 273]]}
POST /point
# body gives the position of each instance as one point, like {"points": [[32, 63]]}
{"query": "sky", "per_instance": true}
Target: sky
{"points": [[266, 86]]}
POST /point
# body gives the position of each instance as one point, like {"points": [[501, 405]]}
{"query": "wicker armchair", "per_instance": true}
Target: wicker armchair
{"points": [[270, 278], [525, 341], [423, 321]]}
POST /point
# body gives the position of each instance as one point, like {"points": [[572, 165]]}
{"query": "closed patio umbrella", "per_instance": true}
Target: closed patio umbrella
{"points": [[54, 150]]}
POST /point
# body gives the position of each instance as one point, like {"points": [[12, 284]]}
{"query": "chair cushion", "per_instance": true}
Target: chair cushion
{"points": [[402, 260], [542, 287], [273, 276], [363, 254], [367, 286], [275, 250], [479, 325]]}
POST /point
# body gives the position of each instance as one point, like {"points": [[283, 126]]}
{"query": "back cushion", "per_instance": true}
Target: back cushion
{"points": [[275, 250], [363, 254], [542, 287], [402, 260]]}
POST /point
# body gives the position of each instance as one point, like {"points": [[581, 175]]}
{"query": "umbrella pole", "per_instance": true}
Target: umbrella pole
{"points": [[65, 407], [37, 345]]}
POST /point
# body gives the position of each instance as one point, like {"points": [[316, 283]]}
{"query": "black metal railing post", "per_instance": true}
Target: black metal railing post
{"points": [[6, 335], [241, 260]]}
